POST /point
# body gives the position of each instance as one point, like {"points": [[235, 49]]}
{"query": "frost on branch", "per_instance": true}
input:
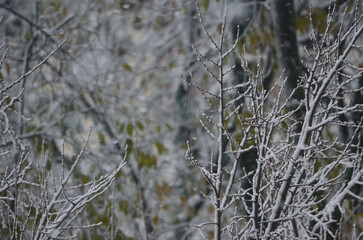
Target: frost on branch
{"points": [[281, 170], [35, 202]]}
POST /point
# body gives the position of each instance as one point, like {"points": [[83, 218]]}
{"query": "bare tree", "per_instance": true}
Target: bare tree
{"points": [[280, 136], [299, 187], [37, 203]]}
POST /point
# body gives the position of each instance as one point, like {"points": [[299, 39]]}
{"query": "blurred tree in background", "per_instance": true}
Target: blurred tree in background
{"points": [[264, 97]]}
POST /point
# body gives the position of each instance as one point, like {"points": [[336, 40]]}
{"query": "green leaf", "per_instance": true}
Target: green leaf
{"points": [[163, 190], [205, 4], [140, 126], [169, 127], [123, 205], [160, 147], [100, 101], [121, 51], [27, 36], [302, 24], [145, 160], [104, 219], [49, 165], [130, 129], [151, 161], [171, 65], [127, 67], [156, 219], [38, 145], [130, 146], [121, 236], [121, 129], [319, 19], [101, 138]]}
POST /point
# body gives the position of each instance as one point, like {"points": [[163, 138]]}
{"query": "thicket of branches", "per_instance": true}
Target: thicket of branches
{"points": [[267, 113], [38, 202], [303, 175]]}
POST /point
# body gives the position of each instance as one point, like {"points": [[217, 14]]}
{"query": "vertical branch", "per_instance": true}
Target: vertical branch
{"points": [[182, 115], [221, 137], [217, 169], [220, 151], [19, 151], [28, 53]]}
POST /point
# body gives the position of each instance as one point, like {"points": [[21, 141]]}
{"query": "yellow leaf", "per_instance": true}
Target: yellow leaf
{"points": [[7, 67], [205, 4], [156, 219], [127, 67]]}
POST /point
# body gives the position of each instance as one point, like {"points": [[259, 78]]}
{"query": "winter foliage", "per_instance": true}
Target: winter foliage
{"points": [[163, 119]]}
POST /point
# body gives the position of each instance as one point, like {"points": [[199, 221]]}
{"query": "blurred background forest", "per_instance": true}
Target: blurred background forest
{"points": [[122, 68]]}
